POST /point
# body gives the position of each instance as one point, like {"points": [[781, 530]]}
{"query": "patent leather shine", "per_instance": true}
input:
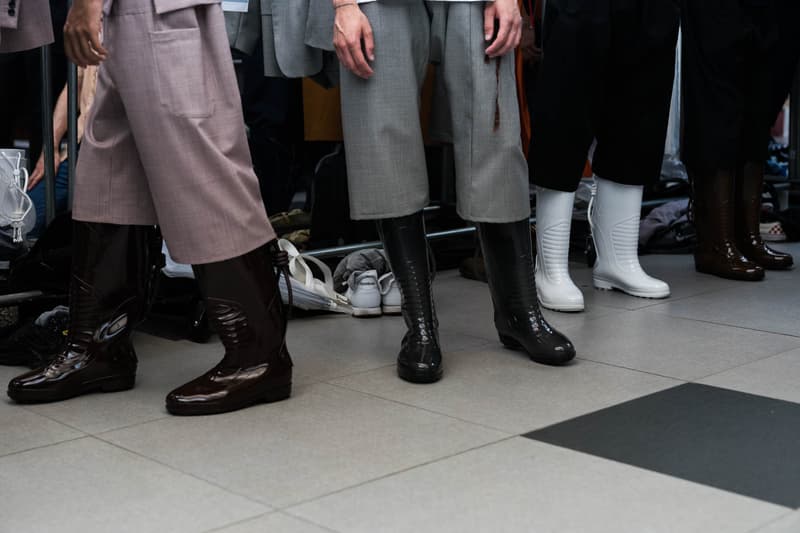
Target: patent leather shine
{"points": [[748, 236], [420, 357], [245, 308], [713, 212], [508, 255], [114, 269]]}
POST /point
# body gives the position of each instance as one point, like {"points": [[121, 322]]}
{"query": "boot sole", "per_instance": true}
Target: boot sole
{"points": [[603, 285], [273, 395], [115, 384], [513, 344], [419, 377], [730, 275], [392, 310], [572, 308], [366, 312]]}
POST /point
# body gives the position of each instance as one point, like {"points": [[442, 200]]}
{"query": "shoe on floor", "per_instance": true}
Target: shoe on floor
{"points": [[614, 219], [38, 342], [772, 231], [364, 293], [391, 299]]}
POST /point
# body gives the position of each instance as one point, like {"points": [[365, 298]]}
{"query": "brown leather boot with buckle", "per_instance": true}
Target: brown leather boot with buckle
{"points": [[244, 305]]}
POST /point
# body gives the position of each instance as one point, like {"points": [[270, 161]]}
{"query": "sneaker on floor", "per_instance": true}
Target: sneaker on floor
{"points": [[364, 293], [36, 343], [391, 300], [772, 231]]}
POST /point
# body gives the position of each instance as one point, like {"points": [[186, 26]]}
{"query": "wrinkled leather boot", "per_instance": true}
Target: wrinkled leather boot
{"points": [[508, 254], [749, 186], [113, 273], [713, 215], [420, 358], [244, 306]]}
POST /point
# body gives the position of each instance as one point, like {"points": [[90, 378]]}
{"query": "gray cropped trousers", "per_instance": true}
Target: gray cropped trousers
{"points": [[381, 116]]}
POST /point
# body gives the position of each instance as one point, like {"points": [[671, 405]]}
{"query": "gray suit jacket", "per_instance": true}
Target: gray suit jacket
{"points": [[24, 25], [295, 33]]}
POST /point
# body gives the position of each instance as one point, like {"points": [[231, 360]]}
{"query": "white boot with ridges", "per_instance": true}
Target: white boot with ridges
{"points": [[555, 288], [614, 214]]}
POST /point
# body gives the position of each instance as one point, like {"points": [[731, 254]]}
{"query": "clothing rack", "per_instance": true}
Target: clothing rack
{"points": [[794, 130]]}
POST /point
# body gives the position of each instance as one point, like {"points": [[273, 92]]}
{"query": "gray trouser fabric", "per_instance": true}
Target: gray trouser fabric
{"points": [[383, 138]]}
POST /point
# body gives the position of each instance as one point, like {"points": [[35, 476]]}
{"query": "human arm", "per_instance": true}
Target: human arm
{"points": [[352, 35]]}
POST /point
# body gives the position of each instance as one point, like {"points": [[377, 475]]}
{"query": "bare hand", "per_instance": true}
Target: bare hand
{"points": [[38, 171], [82, 33], [352, 36], [507, 16]]}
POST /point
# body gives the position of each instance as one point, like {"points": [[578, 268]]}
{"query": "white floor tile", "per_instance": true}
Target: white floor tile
{"points": [[88, 486], [324, 439], [503, 389], [675, 347], [775, 377], [523, 486]]}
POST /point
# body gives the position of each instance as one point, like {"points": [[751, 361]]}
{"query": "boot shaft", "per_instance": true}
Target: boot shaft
{"points": [[244, 305], [114, 271], [406, 247]]}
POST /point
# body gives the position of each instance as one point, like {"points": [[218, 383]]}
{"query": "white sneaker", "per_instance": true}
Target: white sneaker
{"points": [[614, 218], [391, 300], [555, 288], [364, 293]]}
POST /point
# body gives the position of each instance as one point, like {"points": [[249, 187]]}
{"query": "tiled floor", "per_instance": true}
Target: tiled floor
{"points": [[615, 443]]}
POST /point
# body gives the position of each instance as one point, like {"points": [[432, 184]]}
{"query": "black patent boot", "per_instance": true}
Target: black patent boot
{"points": [[244, 306], [113, 273], [420, 358], [508, 254]]}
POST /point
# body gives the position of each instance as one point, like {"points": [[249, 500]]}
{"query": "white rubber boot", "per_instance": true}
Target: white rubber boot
{"points": [[614, 217], [553, 222]]}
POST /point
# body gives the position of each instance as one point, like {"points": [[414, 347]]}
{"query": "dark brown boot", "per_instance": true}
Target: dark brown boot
{"points": [[748, 217], [712, 210], [245, 308], [113, 271]]}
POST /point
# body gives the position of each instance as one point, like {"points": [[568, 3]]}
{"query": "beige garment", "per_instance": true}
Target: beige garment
{"points": [[87, 81], [165, 141], [24, 25]]}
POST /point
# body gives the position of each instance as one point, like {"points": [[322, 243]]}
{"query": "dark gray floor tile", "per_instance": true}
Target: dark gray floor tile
{"points": [[726, 439]]}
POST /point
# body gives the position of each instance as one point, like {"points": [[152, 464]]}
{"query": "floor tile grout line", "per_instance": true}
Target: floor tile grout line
{"points": [[238, 522], [735, 326], [637, 370], [50, 445], [288, 508], [269, 513], [307, 521], [661, 474], [758, 360], [772, 521], [189, 474], [424, 409]]}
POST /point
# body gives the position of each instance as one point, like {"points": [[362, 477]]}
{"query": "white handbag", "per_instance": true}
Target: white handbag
{"points": [[310, 292], [16, 207]]}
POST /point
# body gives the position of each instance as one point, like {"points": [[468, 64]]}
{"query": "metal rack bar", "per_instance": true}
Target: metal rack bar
{"points": [[47, 134], [794, 129]]}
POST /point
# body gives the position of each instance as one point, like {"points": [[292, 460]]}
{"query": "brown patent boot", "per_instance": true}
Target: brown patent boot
{"points": [[244, 305], [113, 272], [712, 209], [748, 216]]}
